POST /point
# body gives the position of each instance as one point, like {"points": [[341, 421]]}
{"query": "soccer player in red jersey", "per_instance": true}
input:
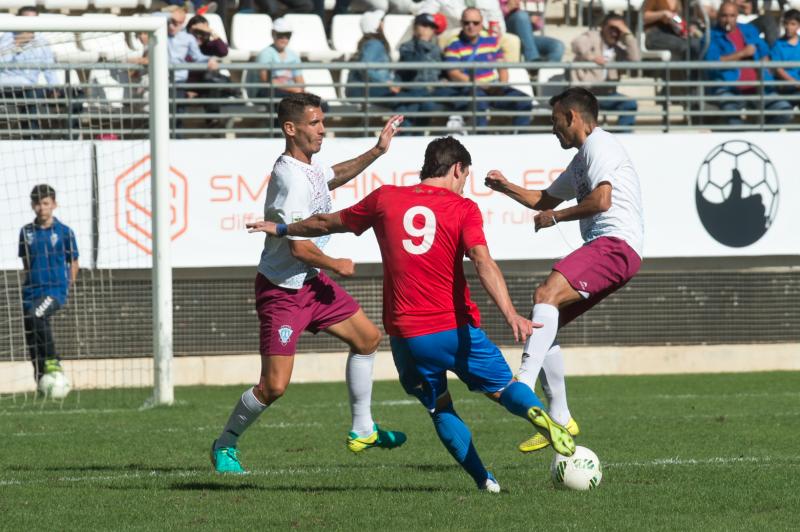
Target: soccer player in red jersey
{"points": [[424, 231]]}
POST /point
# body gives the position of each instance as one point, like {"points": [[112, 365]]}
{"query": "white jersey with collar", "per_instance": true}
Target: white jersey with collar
{"points": [[603, 158], [296, 191]]}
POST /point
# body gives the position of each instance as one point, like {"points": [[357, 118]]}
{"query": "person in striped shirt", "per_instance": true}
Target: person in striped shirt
{"points": [[475, 45]]}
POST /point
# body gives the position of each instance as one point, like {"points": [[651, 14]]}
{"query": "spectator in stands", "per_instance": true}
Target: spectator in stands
{"points": [[424, 48], [524, 25], [787, 48], [372, 48], [474, 45], [731, 41], [288, 79], [182, 47], [665, 29], [764, 23], [613, 42], [212, 46], [491, 14], [21, 85]]}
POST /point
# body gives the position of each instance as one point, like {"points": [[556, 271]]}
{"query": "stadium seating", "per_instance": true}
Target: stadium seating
{"points": [[66, 5], [320, 82], [251, 33], [397, 29], [115, 5], [621, 6], [519, 79], [308, 38], [110, 46], [218, 27], [345, 34]]}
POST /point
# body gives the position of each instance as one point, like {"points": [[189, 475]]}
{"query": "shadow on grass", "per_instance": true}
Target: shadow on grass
{"points": [[219, 486], [98, 467]]}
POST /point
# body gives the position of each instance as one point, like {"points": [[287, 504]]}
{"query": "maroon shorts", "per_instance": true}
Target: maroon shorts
{"points": [[284, 313], [596, 270]]}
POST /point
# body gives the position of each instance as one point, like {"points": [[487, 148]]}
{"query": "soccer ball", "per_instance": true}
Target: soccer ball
{"points": [[581, 471], [55, 385]]}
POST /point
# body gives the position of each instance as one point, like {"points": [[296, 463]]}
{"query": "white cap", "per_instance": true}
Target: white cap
{"points": [[371, 21], [281, 25]]}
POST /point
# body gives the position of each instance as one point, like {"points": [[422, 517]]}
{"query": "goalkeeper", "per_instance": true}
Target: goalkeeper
{"points": [[49, 256]]}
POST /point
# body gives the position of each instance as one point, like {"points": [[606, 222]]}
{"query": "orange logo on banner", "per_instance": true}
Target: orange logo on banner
{"points": [[132, 215]]}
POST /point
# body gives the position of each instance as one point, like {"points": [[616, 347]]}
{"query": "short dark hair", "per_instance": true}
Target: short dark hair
{"points": [[197, 19], [792, 14], [41, 192], [579, 99], [291, 108], [27, 9], [441, 154], [611, 16]]}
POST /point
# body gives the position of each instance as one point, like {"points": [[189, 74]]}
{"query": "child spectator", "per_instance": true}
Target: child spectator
{"points": [[49, 256], [787, 48]]}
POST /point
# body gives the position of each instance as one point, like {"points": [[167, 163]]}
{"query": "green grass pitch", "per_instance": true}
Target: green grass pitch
{"points": [[699, 452]]}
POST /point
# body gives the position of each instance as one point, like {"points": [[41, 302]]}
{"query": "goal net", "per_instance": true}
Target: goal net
{"points": [[86, 286]]}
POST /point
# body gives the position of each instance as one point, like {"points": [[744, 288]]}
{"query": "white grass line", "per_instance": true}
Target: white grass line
{"points": [[295, 471], [259, 427], [714, 460]]}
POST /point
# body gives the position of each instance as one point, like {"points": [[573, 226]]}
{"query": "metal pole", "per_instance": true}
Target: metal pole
{"points": [[162, 266]]}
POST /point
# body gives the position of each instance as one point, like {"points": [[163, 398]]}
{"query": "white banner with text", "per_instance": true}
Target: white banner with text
{"points": [[704, 195]]}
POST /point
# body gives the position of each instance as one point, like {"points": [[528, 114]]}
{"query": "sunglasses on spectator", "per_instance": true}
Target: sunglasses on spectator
{"points": [[174, 22], [287, 35], [470, 22]]}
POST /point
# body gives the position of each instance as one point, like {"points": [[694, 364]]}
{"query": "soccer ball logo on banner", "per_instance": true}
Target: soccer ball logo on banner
{"points": [[737, 193]]}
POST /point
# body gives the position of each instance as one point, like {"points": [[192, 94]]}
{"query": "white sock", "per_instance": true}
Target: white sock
{"points": [[359, 385], [246, 411], [554, 385], [538, 343]]}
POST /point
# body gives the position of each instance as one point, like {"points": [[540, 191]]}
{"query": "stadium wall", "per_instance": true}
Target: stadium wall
{"points": [[722, 257]]}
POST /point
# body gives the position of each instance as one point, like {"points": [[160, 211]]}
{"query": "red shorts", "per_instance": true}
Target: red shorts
{"points": [[596, 270], [284, 313]]}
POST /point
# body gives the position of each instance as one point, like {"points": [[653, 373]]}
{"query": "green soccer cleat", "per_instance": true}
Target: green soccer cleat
{"points": [[226, 460], [384, 439], [558, 435], [538, 442], [52, 365]]}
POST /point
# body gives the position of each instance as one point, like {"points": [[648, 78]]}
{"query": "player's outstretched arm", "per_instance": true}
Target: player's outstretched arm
{"points": [[533, 199], [317, 225], [598, 200], [495, 285], [344, 172]]}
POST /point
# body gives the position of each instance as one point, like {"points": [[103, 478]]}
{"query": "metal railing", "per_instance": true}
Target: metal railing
{"points": [[669, 96]]}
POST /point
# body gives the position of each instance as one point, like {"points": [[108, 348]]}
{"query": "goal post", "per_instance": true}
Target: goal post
{"points": [[157, 139]]}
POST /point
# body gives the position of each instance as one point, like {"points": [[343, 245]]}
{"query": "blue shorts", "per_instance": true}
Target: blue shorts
{"points": [[422, 362]]}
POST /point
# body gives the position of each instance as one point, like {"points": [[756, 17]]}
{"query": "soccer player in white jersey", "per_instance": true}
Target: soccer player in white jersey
{"points": [[602, 179], [293, 294]]}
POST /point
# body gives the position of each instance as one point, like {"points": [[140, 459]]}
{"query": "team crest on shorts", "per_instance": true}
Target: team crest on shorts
{"points": [[285, 333]]}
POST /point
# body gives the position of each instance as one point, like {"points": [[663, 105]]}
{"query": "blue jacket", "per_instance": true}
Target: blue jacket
{"points": [[372, 51], [720, 45]]}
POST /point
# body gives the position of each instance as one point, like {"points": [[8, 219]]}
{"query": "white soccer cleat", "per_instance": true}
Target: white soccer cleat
{"points": [[490, 485]]}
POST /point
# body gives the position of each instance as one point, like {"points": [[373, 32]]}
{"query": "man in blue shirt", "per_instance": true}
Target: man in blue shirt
{"points": [[731, 41], [49, 255], [21, 85]]}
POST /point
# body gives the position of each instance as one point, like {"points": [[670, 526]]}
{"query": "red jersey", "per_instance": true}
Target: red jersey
{"points": [[424, 233]]}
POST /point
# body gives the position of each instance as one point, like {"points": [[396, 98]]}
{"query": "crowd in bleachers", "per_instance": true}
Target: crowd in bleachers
{"points": [[278, 35]]}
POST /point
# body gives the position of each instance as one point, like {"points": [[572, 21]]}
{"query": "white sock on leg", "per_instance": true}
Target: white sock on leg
{"points": [[246, 411], [554, 385], [538, 343], [359, 385]]}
